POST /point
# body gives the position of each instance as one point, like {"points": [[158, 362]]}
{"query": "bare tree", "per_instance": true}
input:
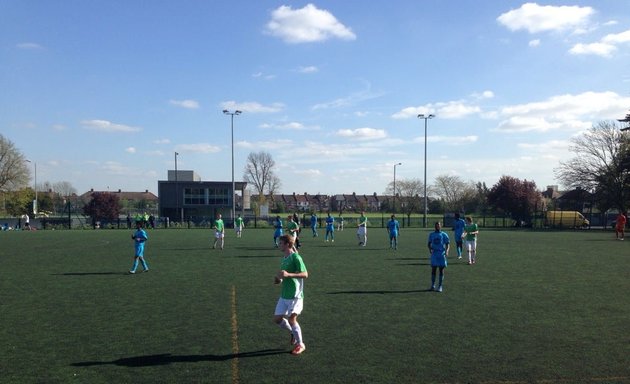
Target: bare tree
{"points": [[259, 172], [410, 192], [64, 188], [600, 165], [14, 173], [454, 192]]}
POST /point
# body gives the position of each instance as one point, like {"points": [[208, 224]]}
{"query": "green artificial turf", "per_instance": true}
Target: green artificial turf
{"points": [[538, 307]]}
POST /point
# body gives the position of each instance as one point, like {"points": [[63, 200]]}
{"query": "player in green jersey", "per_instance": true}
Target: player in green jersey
{"points": [[291, 275]]}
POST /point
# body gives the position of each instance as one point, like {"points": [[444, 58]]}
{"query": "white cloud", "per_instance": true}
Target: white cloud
{"points": [[130, 150], [309, 69], [266, 145], [292, 126], [534, 43], [252, 107], [605, 47], [197, 148], [306, 25], [617, 38], [567, 112], [29, 46], [599, 49], [540, 18], [107, 126], [446, 110], [351, 100], [162, 141], [362, 133], [188, 104]]}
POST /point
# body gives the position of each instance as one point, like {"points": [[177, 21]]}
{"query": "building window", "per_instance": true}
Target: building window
{"points": [[194, 196], [206, 196]]}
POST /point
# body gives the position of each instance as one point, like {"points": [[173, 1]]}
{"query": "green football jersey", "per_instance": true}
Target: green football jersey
{"points": [[470, 228], [292, 287]]}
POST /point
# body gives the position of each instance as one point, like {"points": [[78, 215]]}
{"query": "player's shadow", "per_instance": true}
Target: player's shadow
{"points": [[167, 358], [89, 273], [256, 256], [375, 292]]}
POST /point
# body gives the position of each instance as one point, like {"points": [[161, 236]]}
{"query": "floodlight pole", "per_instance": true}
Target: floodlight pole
{"points": [[178, 214], [394, 210], [232, 113], [426, 205], [34, 187]]}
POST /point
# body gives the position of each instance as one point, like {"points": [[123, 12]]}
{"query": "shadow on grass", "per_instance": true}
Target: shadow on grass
{"points": [[378, 292], [257, 256], [167, 358], [90, 273]]}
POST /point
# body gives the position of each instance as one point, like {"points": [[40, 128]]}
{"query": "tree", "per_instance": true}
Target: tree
{"points": [[454, 192], [601, 165], [515, 197], [409, 198], [19, 202], [259, 172], [102, 206], [14, 173]]}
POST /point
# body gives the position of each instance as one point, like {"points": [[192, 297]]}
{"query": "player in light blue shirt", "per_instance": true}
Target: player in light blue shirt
{"points": [[314, 224], [277, 224], [330, 228], [139, 238], [438, 244], [393, 227], [458, 228]]}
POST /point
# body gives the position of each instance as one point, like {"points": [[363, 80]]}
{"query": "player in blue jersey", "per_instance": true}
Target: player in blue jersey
{"points": [[458, 229], [438, 244], [139, 238], [277, 224], [330, 228], [393, 227], [314, 224], [291, 276]]}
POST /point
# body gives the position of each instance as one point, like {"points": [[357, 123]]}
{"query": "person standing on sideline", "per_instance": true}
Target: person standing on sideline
{"points": [[362, 230], [458, 228], [330, 228], [277, 224], [439, 245], [314, 224], [470, 231], [291, 302], [393, 227], [139, 237], [238, 226], [620, 225], [219, 232], [27, 222], [340, 224]]}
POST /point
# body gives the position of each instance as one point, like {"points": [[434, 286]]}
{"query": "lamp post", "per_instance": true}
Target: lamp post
{"points": [[232, 113], [34, 186], [178, 214], [426, 206], [395, 185]]}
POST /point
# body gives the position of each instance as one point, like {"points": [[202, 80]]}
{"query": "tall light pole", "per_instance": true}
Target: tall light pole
{"points": [[232, 113], [395, 185], [426, 205], [178, 214], [34, 186]]}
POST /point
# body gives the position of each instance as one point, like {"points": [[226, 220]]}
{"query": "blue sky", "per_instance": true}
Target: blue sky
{"points": [[103, 93]]}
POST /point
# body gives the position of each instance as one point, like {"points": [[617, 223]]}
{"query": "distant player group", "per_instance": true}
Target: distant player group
{"points": [[293, 271]]}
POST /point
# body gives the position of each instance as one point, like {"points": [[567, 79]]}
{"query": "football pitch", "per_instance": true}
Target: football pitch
{"points": [[538, 307]]}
